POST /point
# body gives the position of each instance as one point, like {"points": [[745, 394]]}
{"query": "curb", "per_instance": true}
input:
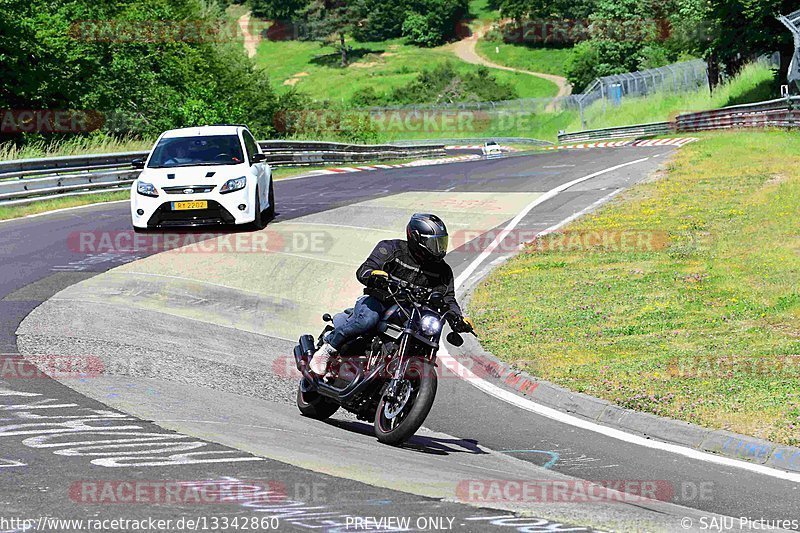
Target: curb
{"points": [[719, 442], [679, 141], [417, 163]]}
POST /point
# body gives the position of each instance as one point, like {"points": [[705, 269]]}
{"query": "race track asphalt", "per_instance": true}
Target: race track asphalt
{"points": [[239, 404]]}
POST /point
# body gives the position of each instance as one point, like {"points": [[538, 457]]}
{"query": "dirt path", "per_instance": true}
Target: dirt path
{"points": [[250, 40], [465, 49]]}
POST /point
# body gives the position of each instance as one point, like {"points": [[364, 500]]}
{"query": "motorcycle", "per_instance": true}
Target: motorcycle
{"points": [[387, 376]]}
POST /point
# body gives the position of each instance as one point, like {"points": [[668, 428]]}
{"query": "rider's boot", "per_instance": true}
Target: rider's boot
{"points": [[320, 359]]}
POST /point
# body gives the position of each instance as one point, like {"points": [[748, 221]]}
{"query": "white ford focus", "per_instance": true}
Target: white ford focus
{"points": [[203, 176]]}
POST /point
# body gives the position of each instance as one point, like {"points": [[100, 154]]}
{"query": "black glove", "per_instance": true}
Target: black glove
{"points": [[463, 324], [378, 279]]}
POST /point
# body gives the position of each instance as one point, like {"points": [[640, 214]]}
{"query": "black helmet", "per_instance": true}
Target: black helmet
{"points": [[427, 237]]}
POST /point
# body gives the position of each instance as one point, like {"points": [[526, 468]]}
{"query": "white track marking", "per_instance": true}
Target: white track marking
{"points": [[564, 418], [549, 195]]}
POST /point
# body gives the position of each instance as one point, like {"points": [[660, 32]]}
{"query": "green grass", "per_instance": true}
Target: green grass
{"points": [[481, 11], [93, 144], [382, 66], [755, 83], [18, 211], [701, 329], [548, 60]]}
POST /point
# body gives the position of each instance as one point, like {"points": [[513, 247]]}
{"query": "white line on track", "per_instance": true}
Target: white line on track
{"points": [[549, 195], [564, 418]]}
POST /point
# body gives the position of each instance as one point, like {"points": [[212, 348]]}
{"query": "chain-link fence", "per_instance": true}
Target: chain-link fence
{"points": [[603, 95], [676, 78], [679, 77], [792, 22]]}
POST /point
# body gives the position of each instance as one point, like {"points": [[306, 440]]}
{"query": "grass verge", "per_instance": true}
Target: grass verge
{"points": [[705, 329], [18, 211], [78, 145]]}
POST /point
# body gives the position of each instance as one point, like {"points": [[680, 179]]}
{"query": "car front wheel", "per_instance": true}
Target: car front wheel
{"points": [[270, 212], [259, 222]]}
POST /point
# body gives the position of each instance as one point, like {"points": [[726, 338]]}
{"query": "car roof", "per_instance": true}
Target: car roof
{"points": [[203, 131]]}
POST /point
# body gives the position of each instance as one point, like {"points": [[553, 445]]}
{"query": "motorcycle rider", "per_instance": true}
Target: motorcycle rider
{"points": [[418, 260]]}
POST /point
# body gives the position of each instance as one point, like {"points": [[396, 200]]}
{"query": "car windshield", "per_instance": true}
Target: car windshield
{"points": [[193, 151]]}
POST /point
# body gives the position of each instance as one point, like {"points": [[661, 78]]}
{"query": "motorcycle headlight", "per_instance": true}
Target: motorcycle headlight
{"points": [[146, 189], [430, 325], [236, 184]]}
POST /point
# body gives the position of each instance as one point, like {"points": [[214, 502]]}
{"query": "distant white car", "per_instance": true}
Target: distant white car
{"points": [[492, 148], [203, 176]]}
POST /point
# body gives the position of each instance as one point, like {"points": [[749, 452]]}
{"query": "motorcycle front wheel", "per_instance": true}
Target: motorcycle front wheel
{"points": [[396, 420]]}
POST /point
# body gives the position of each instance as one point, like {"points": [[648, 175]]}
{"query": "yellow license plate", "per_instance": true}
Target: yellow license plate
{"points": [[188, 206]]}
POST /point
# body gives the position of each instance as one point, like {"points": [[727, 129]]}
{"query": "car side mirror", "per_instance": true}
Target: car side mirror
{"points": [[138, 164], [258, 158]]}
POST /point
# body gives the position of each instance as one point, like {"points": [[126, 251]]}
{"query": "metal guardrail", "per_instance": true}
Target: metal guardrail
{"points": [[779, 113], [31, 180], [623, 132], [478, 140]]}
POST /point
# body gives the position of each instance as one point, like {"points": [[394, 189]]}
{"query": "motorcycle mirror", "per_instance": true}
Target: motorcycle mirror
{"points": [[455, 339]]}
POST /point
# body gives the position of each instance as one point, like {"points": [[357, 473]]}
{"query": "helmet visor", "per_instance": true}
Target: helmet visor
{"points": [[435, 244]]}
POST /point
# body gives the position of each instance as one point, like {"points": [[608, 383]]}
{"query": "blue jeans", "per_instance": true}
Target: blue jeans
{"points": [[366, 314]]}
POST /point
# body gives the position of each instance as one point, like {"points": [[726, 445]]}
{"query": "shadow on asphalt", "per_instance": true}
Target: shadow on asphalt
{"points": [[419, 443]]}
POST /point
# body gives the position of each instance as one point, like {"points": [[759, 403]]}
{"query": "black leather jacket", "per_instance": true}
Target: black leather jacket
{"points": [[394, 257]]}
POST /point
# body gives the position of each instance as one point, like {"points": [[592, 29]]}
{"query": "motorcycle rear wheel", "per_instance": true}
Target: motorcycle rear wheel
{"points": [[421, 376], [314, 405]]}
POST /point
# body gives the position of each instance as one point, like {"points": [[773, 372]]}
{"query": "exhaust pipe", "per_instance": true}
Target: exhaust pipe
{"points": [[302, 355]]}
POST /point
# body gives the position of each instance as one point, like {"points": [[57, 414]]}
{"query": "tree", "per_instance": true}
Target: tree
{"points": [[99, 56], [330, 21], [740, 30], [277, 9]]}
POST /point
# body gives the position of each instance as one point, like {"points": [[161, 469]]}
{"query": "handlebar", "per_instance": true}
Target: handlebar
{"points": [[405, 286], [417, 292]]}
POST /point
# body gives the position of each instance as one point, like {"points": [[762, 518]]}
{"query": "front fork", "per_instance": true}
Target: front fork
{"points": [[402, 368], [399, 371]]}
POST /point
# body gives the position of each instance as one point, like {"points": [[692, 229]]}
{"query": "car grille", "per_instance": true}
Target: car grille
{"points": [[196, 189], [215, 214]]}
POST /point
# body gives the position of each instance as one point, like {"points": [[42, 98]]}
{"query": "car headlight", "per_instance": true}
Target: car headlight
{"points": [[236, 184], [146, 189], [430, 325]]}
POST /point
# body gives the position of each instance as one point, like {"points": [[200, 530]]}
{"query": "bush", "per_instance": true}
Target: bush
{"points": [[444, 84], [421, 30], [423, 22], [368, 97], [143, 85]]}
